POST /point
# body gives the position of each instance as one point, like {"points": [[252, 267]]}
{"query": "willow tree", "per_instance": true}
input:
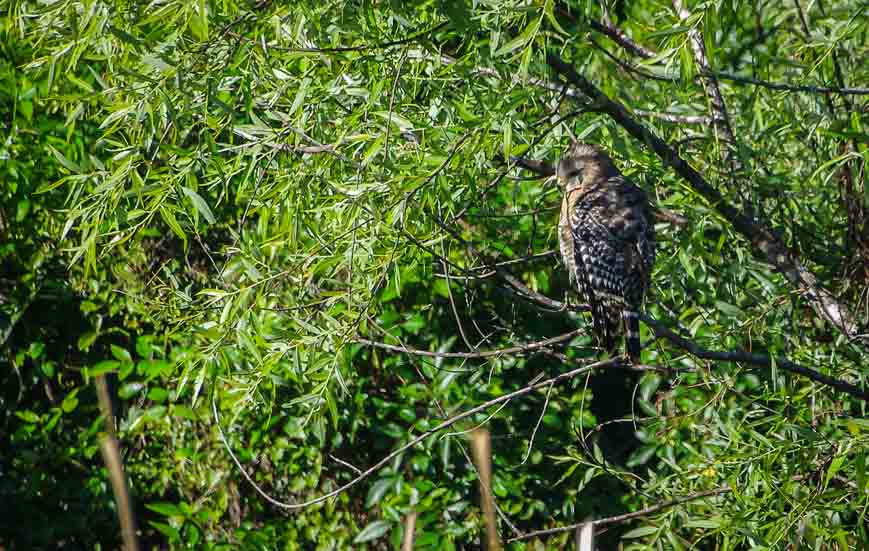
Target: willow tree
{"points": [[344, 214]]}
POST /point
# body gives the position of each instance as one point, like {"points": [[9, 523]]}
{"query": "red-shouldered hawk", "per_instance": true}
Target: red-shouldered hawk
{"points": [[607, 242]]}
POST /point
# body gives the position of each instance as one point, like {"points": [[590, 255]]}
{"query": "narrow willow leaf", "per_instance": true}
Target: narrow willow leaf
{"points": [[520, 41], [199, 203], [169, 217], [373, 531], [61, 158]]}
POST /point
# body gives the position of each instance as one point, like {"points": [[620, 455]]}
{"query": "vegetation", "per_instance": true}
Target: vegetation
{"points": [[296, 238]]}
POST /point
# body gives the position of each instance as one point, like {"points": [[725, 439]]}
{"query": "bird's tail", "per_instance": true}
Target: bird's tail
{"points": [[632, 335]]}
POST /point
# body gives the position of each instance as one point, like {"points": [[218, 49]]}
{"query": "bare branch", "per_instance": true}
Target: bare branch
{"points": [[481, 447], [530, 347], [627, 516], [619, 36], [843, 91], [720, 120], [741, 356], [761, 360], [763, 238], [409, 527], [115, 465]]}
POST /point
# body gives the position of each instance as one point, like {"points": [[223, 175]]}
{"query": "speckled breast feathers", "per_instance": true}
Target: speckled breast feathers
{"points": [[607, 242]]}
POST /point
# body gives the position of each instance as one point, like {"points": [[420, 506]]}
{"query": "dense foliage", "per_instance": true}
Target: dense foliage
{"points": [[229, 208]]}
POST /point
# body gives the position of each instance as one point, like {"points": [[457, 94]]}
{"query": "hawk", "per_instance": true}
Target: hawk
{"points": [[607, 242]]}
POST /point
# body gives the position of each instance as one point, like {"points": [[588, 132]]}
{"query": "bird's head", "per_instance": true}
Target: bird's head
{"points": [[581, 161]]}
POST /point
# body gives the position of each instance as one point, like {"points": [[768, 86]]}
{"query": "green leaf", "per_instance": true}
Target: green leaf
{"points": [[103, 367], [121, 354], [170, 532], [173, 224], [640, 532], [681, 29], [550, 15], [373, 531], [199, 203], [402, 123], [520, 41], [70, 402], [27, 416], [377, 490], [22, 210], [703, 523], [835, 467], [128, 390], [165, 508], [66, 163]]}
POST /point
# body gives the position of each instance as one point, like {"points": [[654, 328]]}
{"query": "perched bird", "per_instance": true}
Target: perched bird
{"points": [[607, 241]]}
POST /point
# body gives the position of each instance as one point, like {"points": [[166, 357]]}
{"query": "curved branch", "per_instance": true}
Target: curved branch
{"points": [[662, 331], [609, 364], [633, 47]]}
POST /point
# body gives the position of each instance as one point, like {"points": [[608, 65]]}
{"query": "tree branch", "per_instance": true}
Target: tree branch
{"points": [[720, 120], [619, 36], [627, 516], [761, 237], [662, 331], [607, 364], [843, 91], [522, 348]]}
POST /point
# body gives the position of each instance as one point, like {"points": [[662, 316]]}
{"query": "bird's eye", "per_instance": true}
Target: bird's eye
{"points": [[574, 173]]}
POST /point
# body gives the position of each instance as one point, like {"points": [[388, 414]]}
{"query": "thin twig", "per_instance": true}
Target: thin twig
{"points": [[523, 348], [720, 120], [452, 300], [842, 91], [537, 426], [627, 516]]}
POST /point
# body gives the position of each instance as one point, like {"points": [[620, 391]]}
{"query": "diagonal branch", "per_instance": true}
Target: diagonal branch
{"points": [[761, 237], [619, 36], [627, 516], [720, 120]]}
